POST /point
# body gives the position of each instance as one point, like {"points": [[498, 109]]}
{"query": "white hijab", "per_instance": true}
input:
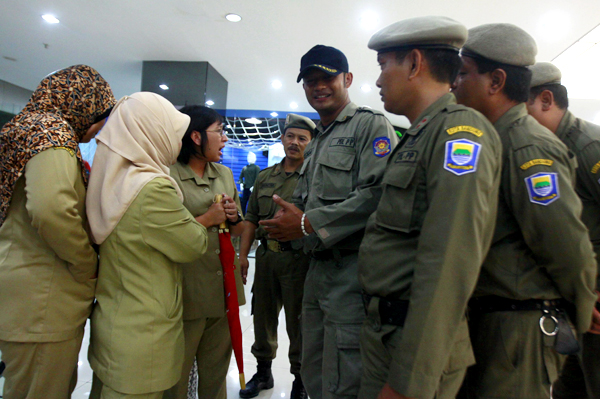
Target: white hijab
{"points": [[141, 138]]}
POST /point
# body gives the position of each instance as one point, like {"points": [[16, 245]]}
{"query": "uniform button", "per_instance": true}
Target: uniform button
{"points": [[219, 273], [206, 190], [217, 251], [214, 229]]}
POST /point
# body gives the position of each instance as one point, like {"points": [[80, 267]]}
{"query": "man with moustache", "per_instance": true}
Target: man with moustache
{"points": [[541, 263], [280, 266], [339, 187]]}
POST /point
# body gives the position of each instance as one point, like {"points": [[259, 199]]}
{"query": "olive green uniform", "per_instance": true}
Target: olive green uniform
{"points": [[279, 276], [540, 250], [136, 344], [205, 323], [423, 248], [583, 139], [339, 187], [47, 277]]}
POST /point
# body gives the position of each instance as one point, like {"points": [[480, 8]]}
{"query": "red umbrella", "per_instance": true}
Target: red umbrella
{"points": [[227, 257]]}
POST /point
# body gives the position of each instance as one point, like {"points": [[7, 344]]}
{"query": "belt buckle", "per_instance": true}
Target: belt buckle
{"points": [[274, 246]]}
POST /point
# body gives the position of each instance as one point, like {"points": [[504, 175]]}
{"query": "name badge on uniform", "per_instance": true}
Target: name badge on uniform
{"points": [[461, 156], [542, 188], [381, 146]]}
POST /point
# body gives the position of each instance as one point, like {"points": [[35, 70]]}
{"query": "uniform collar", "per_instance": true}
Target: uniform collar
{"points": [[519, 111], [565, 124], [430, 112], [346, 114], [186, 173], [278, 169]]}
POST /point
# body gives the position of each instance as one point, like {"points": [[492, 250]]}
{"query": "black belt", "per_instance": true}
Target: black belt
{"points": [[276, 246], [332, 253], [391, 311], [492, 303]]}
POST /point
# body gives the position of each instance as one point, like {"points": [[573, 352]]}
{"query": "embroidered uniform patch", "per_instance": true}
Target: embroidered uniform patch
{"points": [[381, 146], [596, 168], [461, 156], [465, 128], [542, 188], [533, 162]]}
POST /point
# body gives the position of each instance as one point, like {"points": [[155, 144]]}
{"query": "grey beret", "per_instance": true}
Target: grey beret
{"points": [[422, 32], [300, 122], [504, 43], [545, 73]]}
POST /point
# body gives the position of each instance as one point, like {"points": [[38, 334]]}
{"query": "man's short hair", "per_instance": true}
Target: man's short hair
{"points": [[443, 64], [561, 97], [518, 78]]}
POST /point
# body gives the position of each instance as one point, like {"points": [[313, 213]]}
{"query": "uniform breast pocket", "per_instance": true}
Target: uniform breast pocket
{"points": [[396, 208], [265, 201], [335, 171]]}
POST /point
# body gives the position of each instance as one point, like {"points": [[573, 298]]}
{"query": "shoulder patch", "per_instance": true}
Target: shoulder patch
{"points": [[596, 168], [381, 146], [461, 156], [533, 162], [465, 128], [542, 188]]}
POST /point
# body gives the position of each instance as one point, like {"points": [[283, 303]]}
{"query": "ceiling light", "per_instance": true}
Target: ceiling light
{"points": [[164, 87], [233, 18], [293, 105], [51, 19], [366, 88], [254, 121], [369, 20], [276, 84], [274, 114], [210, 102]]}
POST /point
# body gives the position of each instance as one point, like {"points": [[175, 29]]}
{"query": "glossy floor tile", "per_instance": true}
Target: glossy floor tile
{"points": [[281, 365]]}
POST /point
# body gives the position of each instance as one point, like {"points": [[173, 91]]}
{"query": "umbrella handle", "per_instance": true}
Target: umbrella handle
{"points": [[218, 198], [242, 381]]}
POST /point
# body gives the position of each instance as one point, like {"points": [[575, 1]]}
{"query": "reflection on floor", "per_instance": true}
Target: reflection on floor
{"points": [[281, 366]]}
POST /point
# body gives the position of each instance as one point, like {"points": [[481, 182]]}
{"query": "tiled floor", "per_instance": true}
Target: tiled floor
{"points": [[281, 366]]}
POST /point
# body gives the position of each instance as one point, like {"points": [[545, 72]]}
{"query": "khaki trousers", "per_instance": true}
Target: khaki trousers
{"points": [[278, 282], [101, 391], [207, 340], [40, 369], [332, 315]]}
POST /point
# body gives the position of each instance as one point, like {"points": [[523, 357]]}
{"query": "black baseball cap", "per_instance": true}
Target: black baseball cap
{"points": [[325, 58]]}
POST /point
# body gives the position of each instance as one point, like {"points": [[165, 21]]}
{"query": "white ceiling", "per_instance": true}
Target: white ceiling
{"points": [[115, 36]]}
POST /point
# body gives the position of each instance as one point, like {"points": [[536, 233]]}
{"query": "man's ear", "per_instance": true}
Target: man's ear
{"points": [[497, 81], [415, 60], [547, 98], [348, 77]]}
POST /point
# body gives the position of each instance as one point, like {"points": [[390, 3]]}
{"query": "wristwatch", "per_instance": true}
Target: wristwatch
{"points": [[239, 219]]}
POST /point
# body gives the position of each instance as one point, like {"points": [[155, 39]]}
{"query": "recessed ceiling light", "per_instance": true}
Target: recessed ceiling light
{"points": [[366, 88], [274, 114], [254, 121], [233, 18], [276, 84], [369, 20], [210, 102], [51, 19], [164, 87], [293, 105]]}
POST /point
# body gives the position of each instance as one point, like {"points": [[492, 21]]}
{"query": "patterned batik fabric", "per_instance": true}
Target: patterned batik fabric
{"points": [[59, 113]]}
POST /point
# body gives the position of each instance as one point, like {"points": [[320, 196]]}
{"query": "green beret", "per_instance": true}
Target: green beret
{"points": [[421, 32], [503, 43], [544, 73], [300, 122]]}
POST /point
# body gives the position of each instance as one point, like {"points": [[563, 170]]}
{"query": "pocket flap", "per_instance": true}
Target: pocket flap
{"points": [[341, 160], [348, 336], [400, 177]]}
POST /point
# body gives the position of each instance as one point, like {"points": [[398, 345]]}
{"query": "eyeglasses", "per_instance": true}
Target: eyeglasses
{"points": [[219, 132]]}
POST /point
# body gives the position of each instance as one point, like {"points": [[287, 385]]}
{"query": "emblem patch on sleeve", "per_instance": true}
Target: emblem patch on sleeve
{"points": [[542, 188], [381, 146], [461, 156]]}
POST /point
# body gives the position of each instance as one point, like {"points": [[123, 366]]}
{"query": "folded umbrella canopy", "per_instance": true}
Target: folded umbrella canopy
{"points": [[227, 258]]}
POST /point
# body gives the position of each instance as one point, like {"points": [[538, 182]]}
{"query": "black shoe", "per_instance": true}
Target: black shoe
{"points": [[263, 379], [298, 391]]}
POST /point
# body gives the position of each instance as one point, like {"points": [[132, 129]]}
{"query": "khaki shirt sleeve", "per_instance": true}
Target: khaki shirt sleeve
{"points": [[50, 179], [454, 239], [554, 231], [333, 223], [252, 211], [169, 227]]}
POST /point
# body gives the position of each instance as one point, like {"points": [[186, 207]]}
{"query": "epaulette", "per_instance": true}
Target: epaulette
{"points": [[370, 110]]}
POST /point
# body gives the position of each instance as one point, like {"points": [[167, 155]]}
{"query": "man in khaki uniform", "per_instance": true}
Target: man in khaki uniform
{"points": [[280, 267], [425, 243], [541, 261], [338, 188], [548, 104]]}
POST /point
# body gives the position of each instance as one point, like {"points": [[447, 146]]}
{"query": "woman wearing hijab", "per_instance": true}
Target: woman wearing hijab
{"points": [[137, 217], [47, 264], [206, 329]]}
